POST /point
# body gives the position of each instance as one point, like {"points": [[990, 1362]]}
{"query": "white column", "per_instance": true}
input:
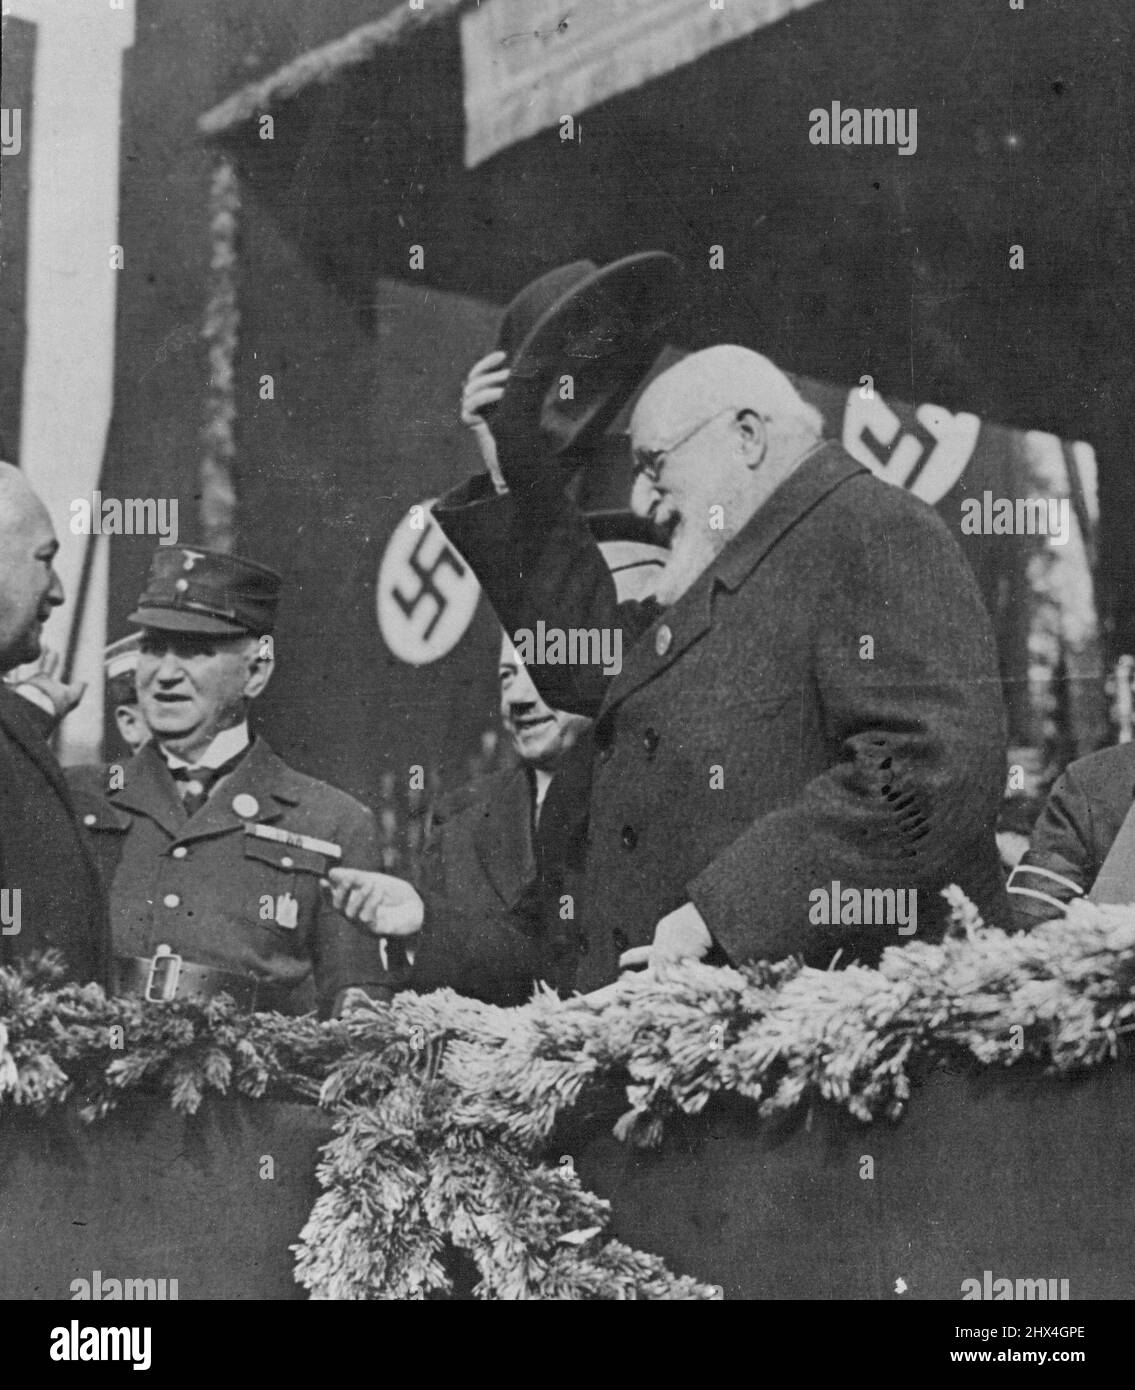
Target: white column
{"points": [[72, 141]]}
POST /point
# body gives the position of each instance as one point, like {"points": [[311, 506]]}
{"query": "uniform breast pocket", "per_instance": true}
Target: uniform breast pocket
{"points": [[105, 832], [285, 885]]}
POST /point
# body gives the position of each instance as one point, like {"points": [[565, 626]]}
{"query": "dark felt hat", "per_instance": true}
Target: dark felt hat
{"points": [[206, 591], [602, 327]]}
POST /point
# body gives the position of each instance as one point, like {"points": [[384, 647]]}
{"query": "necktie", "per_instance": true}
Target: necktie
{"points": [[195, 783]]}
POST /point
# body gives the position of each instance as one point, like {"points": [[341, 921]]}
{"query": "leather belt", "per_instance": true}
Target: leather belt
{"points": [[167, 977]]}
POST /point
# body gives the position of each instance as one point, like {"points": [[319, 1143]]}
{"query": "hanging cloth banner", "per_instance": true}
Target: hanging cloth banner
{"points": [[528, 63]]}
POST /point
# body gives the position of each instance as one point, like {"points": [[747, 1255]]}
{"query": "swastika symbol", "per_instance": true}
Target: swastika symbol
{"points": [[428, 587], [427, 594], [926, 453]]}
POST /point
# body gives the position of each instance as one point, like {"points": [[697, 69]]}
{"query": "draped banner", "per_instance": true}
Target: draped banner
{"points": [[529, 63]]}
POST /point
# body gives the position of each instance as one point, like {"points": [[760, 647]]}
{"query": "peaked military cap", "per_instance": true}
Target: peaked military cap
{"points": [[205, 591]]}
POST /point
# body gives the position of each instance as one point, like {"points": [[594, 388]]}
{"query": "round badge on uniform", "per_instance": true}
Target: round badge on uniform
{"points": [[245, 806]]}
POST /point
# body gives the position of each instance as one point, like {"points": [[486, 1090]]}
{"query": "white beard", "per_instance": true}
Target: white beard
{"points": [[691, 554]]}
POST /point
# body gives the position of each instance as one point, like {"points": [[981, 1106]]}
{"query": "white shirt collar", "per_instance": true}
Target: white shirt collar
{"points": [[543, 782], [227, 744]]}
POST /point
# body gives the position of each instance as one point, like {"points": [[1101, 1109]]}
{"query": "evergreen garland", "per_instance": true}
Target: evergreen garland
{"points": [[444, 1107]]}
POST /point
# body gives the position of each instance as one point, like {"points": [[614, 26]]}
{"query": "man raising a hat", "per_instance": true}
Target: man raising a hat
{"points": [[212, 847], [805, 742]]}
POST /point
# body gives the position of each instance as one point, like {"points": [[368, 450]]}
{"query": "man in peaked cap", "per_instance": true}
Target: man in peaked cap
{"points": [[212, 848]]}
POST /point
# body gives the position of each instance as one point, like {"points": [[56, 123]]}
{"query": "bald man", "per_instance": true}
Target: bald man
{"points": [[50, 895], [805, 742]]}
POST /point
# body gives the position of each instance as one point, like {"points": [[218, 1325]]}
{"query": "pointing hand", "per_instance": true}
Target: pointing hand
{"points": [[380, 903]]}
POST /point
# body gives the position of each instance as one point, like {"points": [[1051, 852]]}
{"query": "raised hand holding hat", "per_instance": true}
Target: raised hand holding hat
{"points": [[484, 386], [577, 343]]}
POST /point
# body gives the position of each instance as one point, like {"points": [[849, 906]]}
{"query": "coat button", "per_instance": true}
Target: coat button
{"points": [[662, 639], [650, 741], [89, 820], [620, 938], [179, 852], [171, 900], [287, 862], [629, 836]]}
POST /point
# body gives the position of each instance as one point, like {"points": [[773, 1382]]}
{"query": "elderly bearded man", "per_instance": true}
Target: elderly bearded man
{"points": [[810, 706]]}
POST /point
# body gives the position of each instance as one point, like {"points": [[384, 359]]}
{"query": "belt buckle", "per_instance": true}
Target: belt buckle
{"points": [[165, 972]]}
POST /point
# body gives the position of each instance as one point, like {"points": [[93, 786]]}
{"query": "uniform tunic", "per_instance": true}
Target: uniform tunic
{"points": [[216, 894], [1071, 839]]}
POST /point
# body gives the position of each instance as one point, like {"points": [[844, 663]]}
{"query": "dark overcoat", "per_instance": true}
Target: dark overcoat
{"points": [[1073, 834], [503, 898], [821, 711], [43, 853], [221, 897]]}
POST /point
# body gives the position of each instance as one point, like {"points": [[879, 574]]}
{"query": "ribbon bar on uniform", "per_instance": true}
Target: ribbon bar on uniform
{"points": [[288, 837]]}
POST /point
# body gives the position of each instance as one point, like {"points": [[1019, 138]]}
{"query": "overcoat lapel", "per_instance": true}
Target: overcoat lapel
{"points": [[504, 838], [22, 730]]}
